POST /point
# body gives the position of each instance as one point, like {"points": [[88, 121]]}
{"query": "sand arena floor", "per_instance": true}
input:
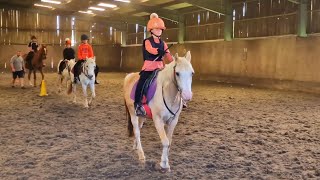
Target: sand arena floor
{"points": [[227, 132]]}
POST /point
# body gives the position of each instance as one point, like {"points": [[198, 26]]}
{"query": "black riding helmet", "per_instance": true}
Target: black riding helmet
{"points": [[84, 37]]}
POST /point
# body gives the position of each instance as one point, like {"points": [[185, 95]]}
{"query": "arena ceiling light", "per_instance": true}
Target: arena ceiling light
{"points": [[45, 6], [96, 8], [126, 1], [51, 1], [86, 12], [107, 5]]}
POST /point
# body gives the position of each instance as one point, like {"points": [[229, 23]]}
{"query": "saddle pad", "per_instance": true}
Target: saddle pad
{"points": [[150, 92]]}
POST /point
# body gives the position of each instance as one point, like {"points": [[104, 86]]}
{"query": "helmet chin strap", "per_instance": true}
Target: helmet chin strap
{"points": [[155, 34]]}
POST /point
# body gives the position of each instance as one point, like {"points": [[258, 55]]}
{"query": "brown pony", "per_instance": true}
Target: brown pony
{"points": [[36, 63]]}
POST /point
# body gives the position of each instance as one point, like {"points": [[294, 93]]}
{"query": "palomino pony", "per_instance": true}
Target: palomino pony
{"points": [[36, 63], [65, 74], [87, 77], [173, 87]]}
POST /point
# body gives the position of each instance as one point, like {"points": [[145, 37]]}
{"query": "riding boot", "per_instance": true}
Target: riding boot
{"points": [[139, 109], [75, 75], [75, 79], [96, 71], [75, 72]]}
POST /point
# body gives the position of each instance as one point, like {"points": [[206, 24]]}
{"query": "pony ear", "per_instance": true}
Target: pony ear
{"points": [[188, 56]]}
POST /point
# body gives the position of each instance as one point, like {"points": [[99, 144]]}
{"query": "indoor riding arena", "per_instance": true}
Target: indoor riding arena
{"points": [[236, 94]]}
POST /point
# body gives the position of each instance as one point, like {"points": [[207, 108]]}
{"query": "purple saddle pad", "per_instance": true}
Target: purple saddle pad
{"points": [[150, 93]]}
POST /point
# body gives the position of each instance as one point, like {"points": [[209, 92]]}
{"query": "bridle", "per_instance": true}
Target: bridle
{"points": [[85, 70]]}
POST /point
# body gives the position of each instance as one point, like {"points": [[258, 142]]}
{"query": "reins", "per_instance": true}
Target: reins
{"points": [[179, 92]]}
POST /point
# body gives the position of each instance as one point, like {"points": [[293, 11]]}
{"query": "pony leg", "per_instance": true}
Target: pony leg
{"points": [[164, 164], [29, 77], [137, 142], [84, 90], [141, 121], [170, 130], [74, 88], [93, 93], [34, 78], [42, 75], [60, 80]]}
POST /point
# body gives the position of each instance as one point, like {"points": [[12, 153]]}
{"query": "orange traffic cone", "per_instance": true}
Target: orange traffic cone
{"points": [[43, 90]]}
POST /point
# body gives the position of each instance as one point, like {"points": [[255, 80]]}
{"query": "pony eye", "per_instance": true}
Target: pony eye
{"points": [[192, 74], [178, 74]]}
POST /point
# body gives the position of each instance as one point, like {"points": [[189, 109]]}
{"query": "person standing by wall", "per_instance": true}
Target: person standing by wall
{"points": [[17, 67]]}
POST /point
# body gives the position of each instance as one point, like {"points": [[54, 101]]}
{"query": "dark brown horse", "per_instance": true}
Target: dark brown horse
{"points": [[36, 63]]}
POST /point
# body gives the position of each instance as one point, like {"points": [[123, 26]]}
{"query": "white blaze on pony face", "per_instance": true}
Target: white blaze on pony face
{"points": [[183, 74], [89, 67], [44, 56]]}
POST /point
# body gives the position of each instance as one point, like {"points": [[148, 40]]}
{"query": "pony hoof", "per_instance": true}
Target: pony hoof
{"points": [[142, 159], [134, 147], [165, 170]]}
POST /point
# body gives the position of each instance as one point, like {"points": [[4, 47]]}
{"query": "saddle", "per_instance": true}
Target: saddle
{"points": [[79, 68], [148, 91]]}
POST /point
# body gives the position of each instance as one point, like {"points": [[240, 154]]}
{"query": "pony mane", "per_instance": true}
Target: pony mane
{"points": [[91, 59], [181, 62]]}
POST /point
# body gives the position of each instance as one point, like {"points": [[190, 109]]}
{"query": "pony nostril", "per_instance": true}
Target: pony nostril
{"points": [[187, 96]]}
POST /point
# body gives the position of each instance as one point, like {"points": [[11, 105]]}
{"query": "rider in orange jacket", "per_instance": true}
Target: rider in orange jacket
{"points": [[84, 51]]}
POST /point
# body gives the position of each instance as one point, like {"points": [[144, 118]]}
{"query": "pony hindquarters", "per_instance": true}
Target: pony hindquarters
{"points": [[64, 74], [133, 121]]}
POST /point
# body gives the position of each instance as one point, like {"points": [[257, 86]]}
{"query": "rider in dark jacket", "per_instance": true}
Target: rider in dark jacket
{"points": [[68, 54]]}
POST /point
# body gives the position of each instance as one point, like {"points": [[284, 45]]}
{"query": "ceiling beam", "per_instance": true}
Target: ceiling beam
{"points": [[171, 15], [127, 19], [294, 1], [207, 5]]}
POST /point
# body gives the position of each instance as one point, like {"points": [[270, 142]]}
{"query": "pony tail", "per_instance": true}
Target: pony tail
{"points": [[130, 126]]}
